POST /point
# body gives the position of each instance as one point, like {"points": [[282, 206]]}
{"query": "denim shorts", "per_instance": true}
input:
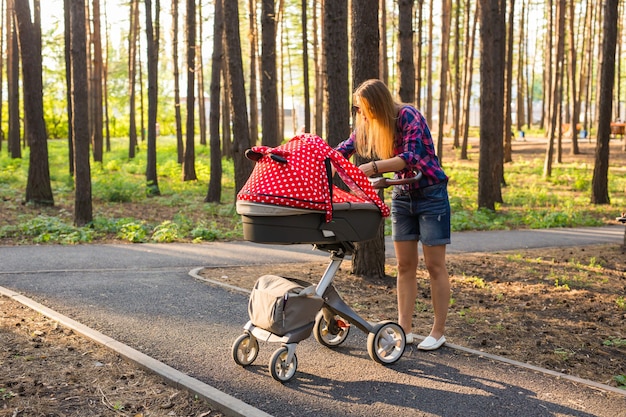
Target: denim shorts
{"points": [[422, 214]]}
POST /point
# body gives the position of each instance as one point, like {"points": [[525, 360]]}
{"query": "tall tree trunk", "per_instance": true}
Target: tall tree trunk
{"points": [[337, 84], [105, 84], [573, 93], [522, 60], [200, 83], [429, 66], [468, 76], [241, 131], [384, 56], [38, 189], [97, 141], [68, 83], [556, 88], [419, 53], [599, 182], [132, 71], [406, 66], [446, 17], [152, 35], [456, 86], [508, 85], [369, 257], [305, 68], [2, 11], [319, 55], [269, 86], [180, 146], [13, 69], [83, 210], [214, 193], [254, 62], [189, 167], [492, 38]]}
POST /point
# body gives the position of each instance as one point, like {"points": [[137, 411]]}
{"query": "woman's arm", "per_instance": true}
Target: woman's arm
{"points": [[385, 165]]}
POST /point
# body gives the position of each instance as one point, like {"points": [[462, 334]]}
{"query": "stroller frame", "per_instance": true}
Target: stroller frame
{"points": [[386, 339]]}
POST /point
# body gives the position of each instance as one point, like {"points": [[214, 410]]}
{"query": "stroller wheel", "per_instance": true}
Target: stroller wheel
{"points": [[386, 343], [280, 369], [245, 349], [330, 334]]}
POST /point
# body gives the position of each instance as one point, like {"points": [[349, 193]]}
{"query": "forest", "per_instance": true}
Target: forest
{"points": [[216, 77]]}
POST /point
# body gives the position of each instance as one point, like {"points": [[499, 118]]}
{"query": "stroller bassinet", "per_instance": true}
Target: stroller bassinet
{"points": [[290, 198]]}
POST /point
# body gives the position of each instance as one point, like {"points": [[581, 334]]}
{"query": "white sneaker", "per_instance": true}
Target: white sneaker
{"points": [[430, 343]]}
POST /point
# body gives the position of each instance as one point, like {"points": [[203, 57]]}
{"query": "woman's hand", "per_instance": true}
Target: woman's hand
{"points": [[369, 169]]}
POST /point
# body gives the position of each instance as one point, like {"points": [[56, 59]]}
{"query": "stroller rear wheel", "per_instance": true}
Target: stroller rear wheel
{"points": [[245, 349], [385, 344], [330, 333], [280, 368]]}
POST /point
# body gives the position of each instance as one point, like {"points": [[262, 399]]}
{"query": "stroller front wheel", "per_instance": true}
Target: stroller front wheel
{"points": [[245, 349], [280, 368]]}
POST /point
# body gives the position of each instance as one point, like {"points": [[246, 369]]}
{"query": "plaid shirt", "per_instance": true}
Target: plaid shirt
{"points": [[414, 144]]}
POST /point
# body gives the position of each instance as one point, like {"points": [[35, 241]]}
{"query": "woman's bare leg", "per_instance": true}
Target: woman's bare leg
{"points": [[407, 258], [435, 261]]}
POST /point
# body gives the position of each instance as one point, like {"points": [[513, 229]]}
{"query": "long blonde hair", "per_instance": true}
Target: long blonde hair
{"points": [[376, 137]]}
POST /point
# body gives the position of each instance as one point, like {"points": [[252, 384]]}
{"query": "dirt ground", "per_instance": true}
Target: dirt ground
{"points": [[50, 371]]}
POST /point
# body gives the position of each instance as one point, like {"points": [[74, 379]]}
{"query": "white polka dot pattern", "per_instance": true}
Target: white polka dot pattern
{"points": [[302, 181]]}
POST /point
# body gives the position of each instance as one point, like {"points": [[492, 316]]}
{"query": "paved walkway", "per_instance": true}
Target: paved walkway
{"points": [[144, 302]]}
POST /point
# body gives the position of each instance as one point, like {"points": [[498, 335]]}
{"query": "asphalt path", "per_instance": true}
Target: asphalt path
{"points": [[146, 297]]}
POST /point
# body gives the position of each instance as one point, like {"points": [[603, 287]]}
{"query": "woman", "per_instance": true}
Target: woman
{"points": [[397, 137]]}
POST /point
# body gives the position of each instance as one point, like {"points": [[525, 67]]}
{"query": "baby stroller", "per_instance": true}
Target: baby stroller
{"points": [[290, 199]]}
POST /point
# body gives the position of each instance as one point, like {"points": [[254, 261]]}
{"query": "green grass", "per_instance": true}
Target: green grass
{"points": [[530, 201]]}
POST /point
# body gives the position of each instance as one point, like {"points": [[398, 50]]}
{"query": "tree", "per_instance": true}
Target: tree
{"points": [[406, 66], [337, 87], [269, 89], [305, 69], [555, 114], [573, 93], [254, 84], [1, 71], [189, 169], [214, 193], [599, 182], [132, 75], [68, 82], [177, 115], [83, 211], [95, 91], [152, 35], [468, 75], [492, 38], [369, 257], [13, 69], [200, 83], [38, 188], [446, 17], [508, 85], [241, 131]]}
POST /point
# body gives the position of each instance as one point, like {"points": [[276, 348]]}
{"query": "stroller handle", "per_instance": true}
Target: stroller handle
{"points": [[383, 182]]}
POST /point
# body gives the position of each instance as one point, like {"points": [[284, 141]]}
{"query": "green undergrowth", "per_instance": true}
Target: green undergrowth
{"points": [[124, 211]]}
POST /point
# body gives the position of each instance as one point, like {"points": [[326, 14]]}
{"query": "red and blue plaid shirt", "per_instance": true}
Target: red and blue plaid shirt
{"points": [[414, 144]]}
